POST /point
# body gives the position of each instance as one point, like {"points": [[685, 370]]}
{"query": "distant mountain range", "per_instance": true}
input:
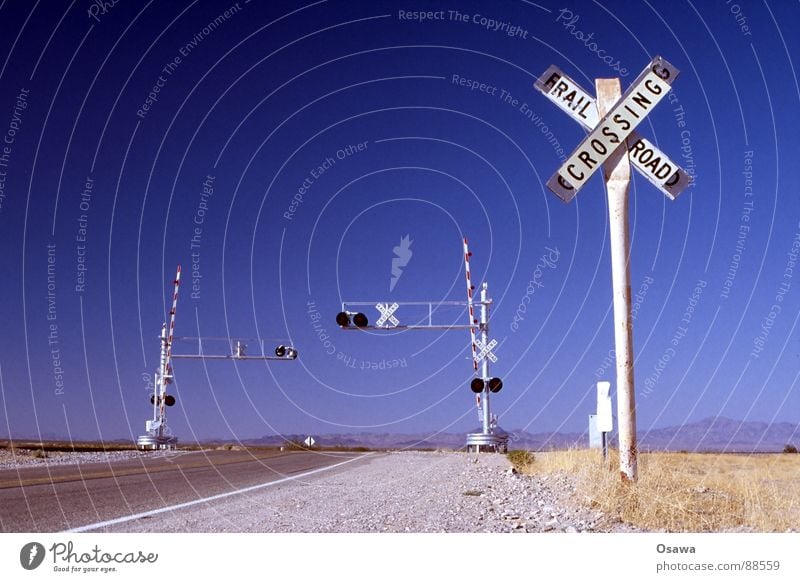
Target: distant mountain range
{"points": [[719, 433], [710, 434]]}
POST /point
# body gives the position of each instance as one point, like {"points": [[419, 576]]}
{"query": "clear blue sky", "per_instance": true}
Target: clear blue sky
{"points": [[113, 120]]}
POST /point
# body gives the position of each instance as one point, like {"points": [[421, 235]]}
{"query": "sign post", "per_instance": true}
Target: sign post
{"points": [[617, 174], [612, 143]]}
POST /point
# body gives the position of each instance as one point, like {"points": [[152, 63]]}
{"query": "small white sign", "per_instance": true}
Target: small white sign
{"points": [[605, 421], [642, 96], [595, 437], [310, 442], [579, 104]]}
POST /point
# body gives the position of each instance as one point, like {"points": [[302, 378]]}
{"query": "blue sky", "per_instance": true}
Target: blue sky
{"points": [[323, 134]]}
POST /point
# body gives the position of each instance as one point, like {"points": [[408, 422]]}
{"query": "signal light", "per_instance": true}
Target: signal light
{"points": [[286, 352], [477, 385], [169, 399], [359, 319]]}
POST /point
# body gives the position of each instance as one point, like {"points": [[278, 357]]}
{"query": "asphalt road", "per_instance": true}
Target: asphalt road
{"points": [[64, 497]]}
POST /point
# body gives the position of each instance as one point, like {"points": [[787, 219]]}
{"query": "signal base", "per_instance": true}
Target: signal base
{"points": [[479, 442], [148, 442]]}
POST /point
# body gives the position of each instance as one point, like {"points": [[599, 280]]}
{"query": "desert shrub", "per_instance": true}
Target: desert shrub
{"points": [[294, 445], [790, 449], [520, 459]]}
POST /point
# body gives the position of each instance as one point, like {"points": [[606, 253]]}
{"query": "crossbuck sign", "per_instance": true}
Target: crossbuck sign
{"points": [[613, 144], [387, 314], [615, 128], [485, 350]]}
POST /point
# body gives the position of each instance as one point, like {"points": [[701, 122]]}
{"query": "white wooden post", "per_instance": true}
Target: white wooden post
{"points": [[617, 175]]}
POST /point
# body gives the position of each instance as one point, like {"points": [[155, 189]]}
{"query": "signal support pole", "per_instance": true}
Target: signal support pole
{"points": [[158, 435], [617, 175], [486, 439], [485, 363]]}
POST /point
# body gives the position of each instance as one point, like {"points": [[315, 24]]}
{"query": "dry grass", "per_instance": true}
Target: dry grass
{"points": [[688, 492]]}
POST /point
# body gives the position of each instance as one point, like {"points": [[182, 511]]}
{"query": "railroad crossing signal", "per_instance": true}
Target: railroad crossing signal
{"points": [[158, 434], [482, 347], [238, 350], [612, 144]]}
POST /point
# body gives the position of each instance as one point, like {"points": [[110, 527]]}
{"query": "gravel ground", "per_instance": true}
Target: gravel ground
{"points": [[25, 457], [397, 492]]}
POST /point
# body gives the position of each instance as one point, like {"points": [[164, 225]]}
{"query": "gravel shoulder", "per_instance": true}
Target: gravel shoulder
{"points": [[28, 458], [396, 492]]}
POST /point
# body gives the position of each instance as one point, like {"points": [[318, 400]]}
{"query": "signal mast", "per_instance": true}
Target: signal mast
{"points": [[158, 435], [483, 385]]}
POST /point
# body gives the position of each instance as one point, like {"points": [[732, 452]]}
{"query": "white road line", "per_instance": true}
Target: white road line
{"points": [[100, 524]]}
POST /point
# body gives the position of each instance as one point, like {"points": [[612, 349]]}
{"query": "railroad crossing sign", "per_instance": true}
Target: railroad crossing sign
{"points": [[653, 164], [614, 129], [485, 350], [612, 143], [387, 312]]}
